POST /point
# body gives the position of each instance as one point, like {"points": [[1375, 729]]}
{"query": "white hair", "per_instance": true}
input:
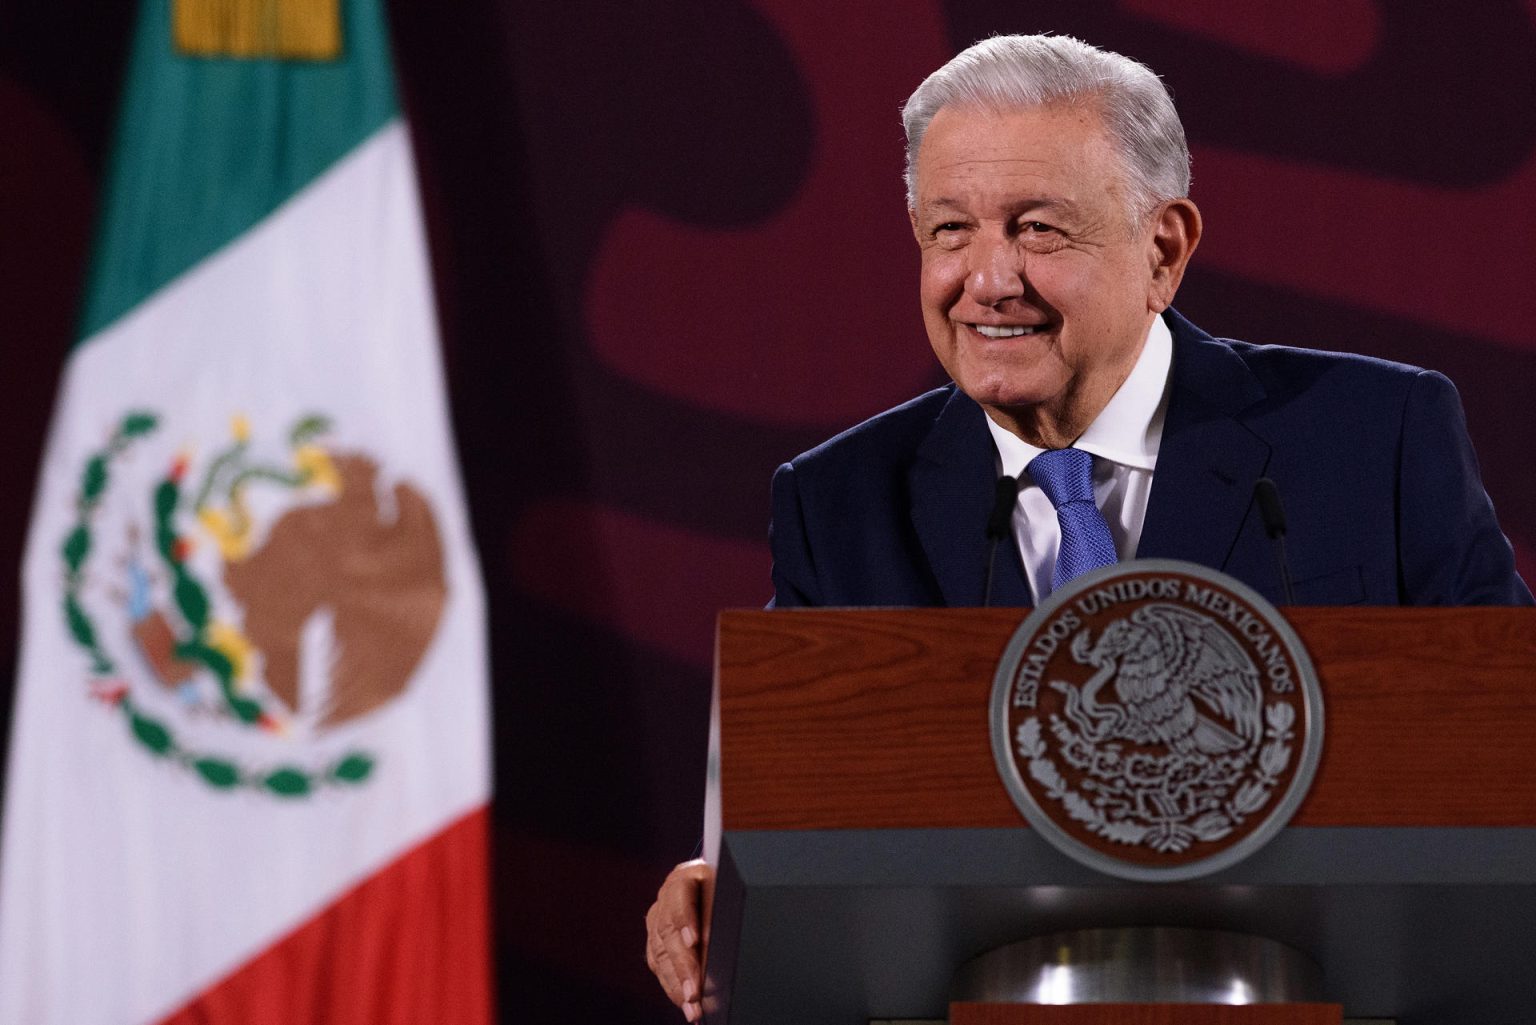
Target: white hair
{"points": [[1019, 72]]}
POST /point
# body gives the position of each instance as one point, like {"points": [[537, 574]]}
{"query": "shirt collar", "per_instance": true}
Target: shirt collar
{"points": [[1129, 429]]}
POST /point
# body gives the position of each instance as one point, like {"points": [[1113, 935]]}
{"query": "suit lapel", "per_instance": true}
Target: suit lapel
{"points": [[1208, 460], [952, 486]]}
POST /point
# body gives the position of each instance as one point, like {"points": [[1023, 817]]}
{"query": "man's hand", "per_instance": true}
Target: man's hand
{"points": [[677, 934]]}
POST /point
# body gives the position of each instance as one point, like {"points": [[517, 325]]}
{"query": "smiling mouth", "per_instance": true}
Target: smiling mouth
{"points": [[1007, 330]]}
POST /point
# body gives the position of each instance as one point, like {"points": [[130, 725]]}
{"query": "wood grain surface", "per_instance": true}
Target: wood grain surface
{"points": [[878, 718]]}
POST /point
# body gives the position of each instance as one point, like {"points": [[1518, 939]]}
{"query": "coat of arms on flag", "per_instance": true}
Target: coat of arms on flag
{"points": [[266, 588]]}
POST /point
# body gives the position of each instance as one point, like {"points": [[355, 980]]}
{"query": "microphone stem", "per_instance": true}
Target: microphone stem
{"points": [[1285, 573], [986, 591], [999, 525]]}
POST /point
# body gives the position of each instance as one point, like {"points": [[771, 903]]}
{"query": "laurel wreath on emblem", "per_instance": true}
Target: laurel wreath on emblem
{"points": [[1105, 816], [1213, 772], [197, 641]]}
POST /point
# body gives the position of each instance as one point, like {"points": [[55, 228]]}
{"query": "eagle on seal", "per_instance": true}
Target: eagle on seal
{"points": [[1181, 680]]}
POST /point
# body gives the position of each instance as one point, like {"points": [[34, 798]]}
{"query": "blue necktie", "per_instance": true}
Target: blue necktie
{"points": [[1066, 477]]}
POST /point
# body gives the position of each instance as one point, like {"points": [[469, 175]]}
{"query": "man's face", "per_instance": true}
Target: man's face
{"points": [[1037, 290]]}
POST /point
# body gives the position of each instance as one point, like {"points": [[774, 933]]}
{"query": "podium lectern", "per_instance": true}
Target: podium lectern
{"points": [[867, 848]]}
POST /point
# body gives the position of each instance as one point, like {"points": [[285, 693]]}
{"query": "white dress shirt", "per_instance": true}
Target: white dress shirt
{"points": [[1123, 439]]}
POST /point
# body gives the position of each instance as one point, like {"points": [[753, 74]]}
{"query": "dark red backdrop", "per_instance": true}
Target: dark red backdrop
{"points": [[671, 252]]}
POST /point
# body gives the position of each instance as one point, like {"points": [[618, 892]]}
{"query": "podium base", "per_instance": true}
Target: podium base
{"points": [[1141, 966], [1145, 1014]]}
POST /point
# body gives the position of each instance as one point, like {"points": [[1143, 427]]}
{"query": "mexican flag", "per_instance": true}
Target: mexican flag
{"points": [[249, 764]]}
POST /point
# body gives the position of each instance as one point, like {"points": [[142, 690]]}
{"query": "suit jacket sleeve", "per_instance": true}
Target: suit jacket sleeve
{"points": [[1451, 550], [794, 574]]}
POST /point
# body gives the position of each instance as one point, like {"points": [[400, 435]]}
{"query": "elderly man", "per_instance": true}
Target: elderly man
{"points": [[1047, 185]]}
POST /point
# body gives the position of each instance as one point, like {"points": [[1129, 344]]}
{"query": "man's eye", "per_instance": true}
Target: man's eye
{"points": [[1037, 228], [949, 226]]}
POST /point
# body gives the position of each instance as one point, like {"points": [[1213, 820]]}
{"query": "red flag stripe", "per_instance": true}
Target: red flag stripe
{"points": [[410, 944]]}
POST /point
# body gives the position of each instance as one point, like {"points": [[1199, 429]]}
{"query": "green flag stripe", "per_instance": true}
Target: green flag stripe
{"points": [[207, 147]]}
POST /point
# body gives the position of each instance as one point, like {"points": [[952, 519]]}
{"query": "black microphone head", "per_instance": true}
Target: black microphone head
{"points": [[1000, 523], [1268, 497]]}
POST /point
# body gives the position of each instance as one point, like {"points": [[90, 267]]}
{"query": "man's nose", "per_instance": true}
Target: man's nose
{"points": [[996, 271]]}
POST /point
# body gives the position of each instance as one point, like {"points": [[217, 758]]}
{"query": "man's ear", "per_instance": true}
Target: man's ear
{"points": [[1176, 230], [912, 218]]}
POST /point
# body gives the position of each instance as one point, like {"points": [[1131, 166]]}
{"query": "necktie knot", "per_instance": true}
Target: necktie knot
{"points": [[1066, 477], [1064, 474]]}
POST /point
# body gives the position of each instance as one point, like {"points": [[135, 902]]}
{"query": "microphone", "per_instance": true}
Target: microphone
{"points": [[1273, 515], [999, 526]]}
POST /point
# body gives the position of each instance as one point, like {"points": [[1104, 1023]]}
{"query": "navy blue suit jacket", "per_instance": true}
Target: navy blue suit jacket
{"points": [[1384, 504]]}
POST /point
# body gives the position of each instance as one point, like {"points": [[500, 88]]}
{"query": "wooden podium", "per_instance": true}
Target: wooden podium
{"points": [[867, 848]]}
